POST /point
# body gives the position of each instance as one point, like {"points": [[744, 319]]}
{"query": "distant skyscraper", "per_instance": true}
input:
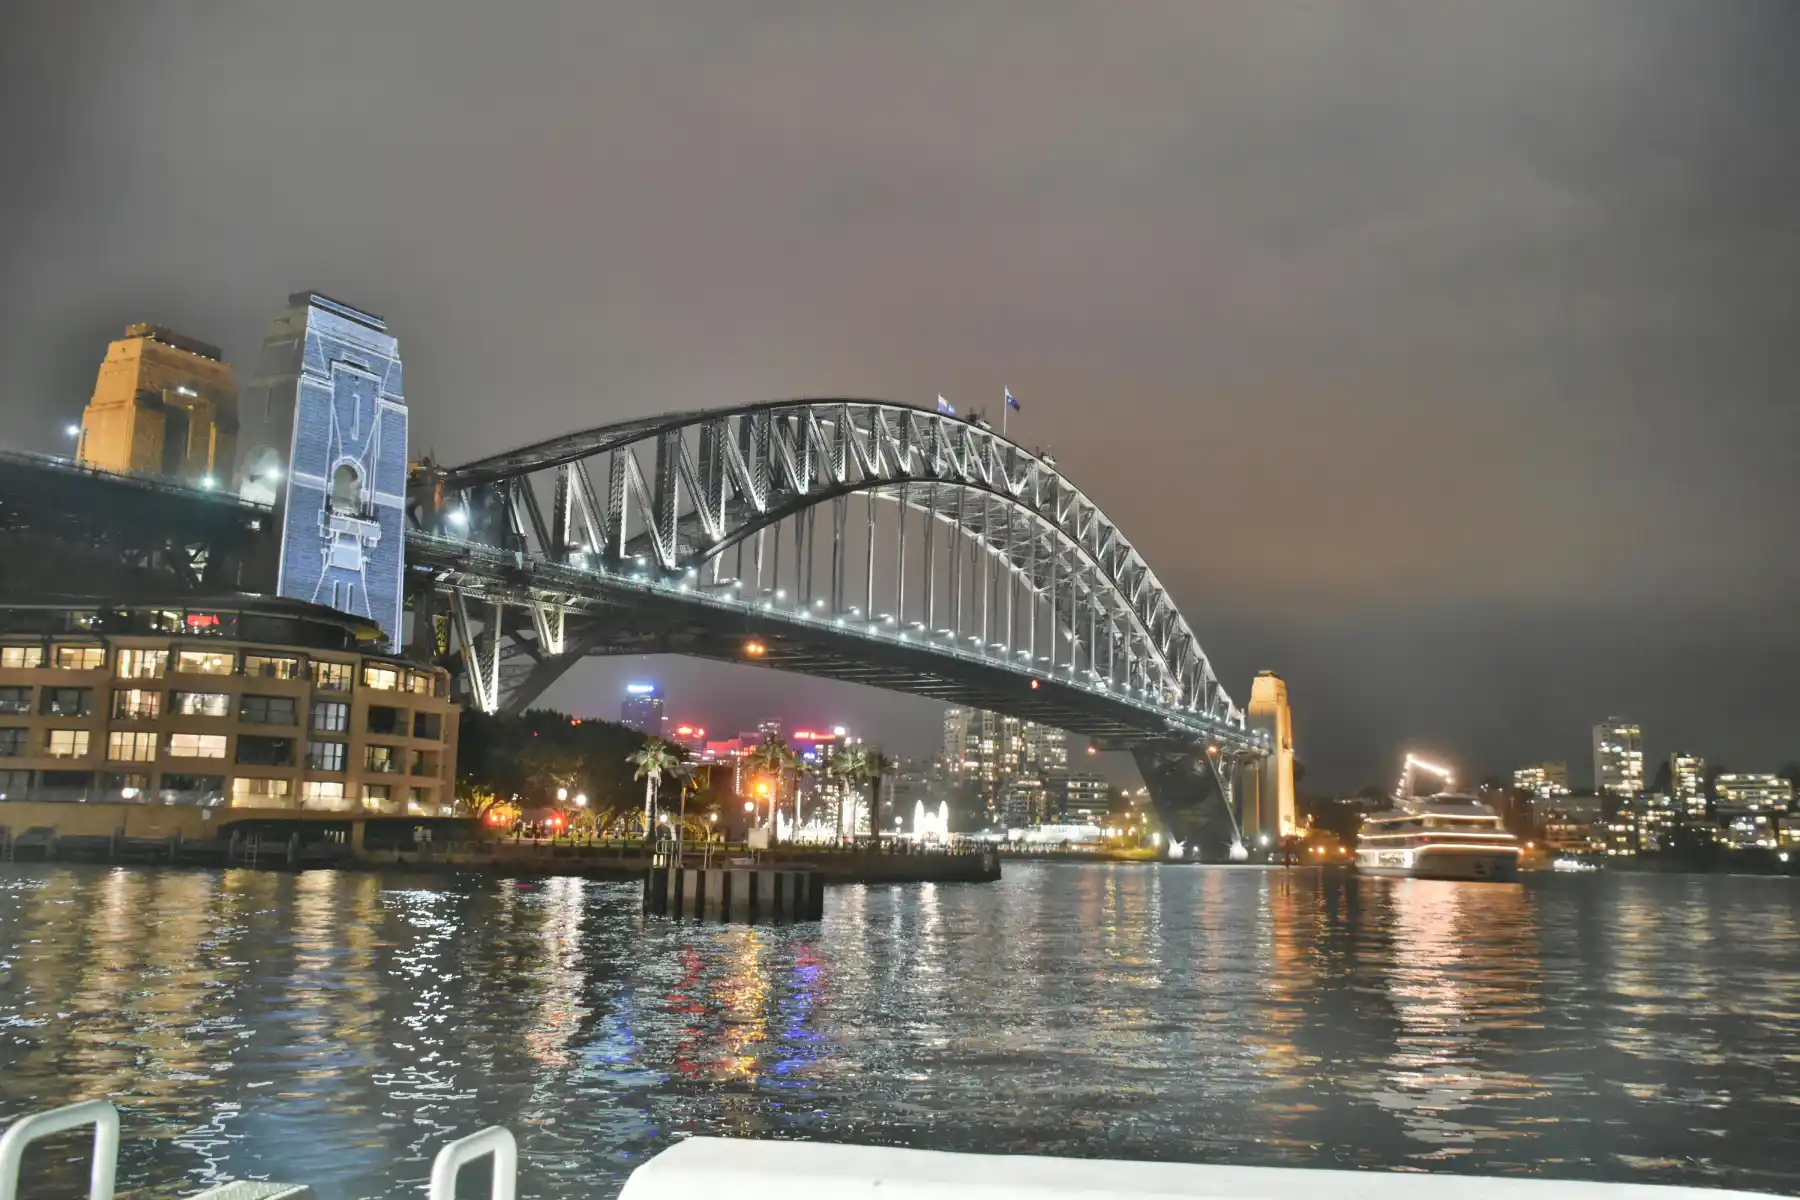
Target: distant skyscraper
{"points": [[1543, 780], [163, 405], [1687, 776], [324, 441], [643, 709], [1618, 758]]}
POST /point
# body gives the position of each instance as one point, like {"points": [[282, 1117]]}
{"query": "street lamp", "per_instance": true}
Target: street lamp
{"points": [[581, 801], [72, 431], [562, 794]]}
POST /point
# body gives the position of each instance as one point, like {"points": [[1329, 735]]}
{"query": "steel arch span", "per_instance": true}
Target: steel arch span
{"points": [[855, 539]]}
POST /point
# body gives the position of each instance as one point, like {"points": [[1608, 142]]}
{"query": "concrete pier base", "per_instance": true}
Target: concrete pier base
{"points": [[738, 893]]}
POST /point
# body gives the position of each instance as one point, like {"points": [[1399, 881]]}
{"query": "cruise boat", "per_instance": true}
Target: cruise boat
{"points": [[1440, 836]]}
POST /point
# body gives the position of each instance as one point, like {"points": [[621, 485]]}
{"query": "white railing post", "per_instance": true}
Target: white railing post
{"points": [[494, 1140], [26, 1130]]}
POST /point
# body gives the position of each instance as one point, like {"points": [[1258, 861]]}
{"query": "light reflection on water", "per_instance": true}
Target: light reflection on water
{"points": [[336, 1028]]}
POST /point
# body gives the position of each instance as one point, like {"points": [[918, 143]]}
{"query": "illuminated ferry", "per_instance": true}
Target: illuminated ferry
{"points": [[1441, 836]]}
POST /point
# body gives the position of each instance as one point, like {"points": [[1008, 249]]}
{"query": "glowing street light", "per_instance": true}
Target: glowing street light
{"points": [[562, 793], [580, 801]]}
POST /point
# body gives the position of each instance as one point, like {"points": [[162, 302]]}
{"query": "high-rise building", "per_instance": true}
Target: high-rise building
{"points": [[163, 405], [1543, 780], [1618, 758], [643, 709], [1747, 795], [982, 748], [1045, 752], [1687, 776], [324, 441]]}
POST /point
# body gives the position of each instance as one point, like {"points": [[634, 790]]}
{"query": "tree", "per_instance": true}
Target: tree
{"points": [[851, 768], [878, 767], [774, 757], [654, 759]]}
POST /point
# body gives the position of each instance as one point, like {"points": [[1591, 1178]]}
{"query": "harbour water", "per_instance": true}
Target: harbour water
{"points": [[336, 1028]]}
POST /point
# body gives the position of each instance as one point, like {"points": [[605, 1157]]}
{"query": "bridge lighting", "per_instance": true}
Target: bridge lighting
{"points": [[457, 517], [1093, 749], [755, 649], [1034, 684], [780, 594], [73, 431], [208, 482]]}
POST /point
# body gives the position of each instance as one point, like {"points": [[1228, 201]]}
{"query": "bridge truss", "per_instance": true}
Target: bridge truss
{"points": [[853, 539]]}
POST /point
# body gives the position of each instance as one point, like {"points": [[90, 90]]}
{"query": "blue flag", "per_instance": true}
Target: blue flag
{"points": [[1010, 402], [944, 407]]}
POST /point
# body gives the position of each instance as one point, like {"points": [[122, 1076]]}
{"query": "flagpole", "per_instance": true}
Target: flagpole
{"points": [[1005, 412]]}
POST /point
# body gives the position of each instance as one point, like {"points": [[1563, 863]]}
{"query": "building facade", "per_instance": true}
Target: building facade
{"points": [[643, 709], [1687, 778], [324, 442], [1543, 780], [163, 405], [243, 702], [1618, 758], [1748, 795]]}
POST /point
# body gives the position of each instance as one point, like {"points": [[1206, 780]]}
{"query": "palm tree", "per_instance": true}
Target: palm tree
{"points": [[851, 766], [876, 767], [777, 758], [654, 759]]}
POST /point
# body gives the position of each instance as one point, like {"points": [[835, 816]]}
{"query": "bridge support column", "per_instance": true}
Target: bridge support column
{"points": [[1268, 713], [1187, 797]]}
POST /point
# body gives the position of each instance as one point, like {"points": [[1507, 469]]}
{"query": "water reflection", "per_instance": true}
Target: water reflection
{"points": [[338, 1028]]}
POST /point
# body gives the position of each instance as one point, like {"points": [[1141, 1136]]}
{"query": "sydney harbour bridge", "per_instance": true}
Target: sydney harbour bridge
{"points": [[857, 540]]}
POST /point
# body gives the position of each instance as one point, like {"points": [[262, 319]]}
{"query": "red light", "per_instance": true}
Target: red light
{"points": [[685, 730], [203, 620], [1034, 685]]}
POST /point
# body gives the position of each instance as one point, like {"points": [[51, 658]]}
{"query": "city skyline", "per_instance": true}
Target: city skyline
{"points": [[1429, 381]]}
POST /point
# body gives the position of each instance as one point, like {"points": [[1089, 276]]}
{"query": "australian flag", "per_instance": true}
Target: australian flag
{"points": [[1010, 402], [944, 407]]}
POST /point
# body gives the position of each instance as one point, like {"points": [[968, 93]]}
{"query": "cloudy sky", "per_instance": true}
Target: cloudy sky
{"points": [[1439, 356]]}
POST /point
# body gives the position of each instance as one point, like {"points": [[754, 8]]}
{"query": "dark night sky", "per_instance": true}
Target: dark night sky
{"points": [[1439, 356]]}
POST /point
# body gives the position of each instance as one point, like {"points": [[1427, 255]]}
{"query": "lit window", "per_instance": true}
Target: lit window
{"points": [[142, 664], [201, 704], [325, 756], [79, 658], [260, 793], [136, 704], [323, 793], [131, 746], [16, 658], [67, 743], [382, 679], [331, 676], [196, 745], [205, 662], [330, 716], [266, 666], [382, 759], [377, 796], [15, 742], [266, 710], [419, 682], [128, 786]]}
